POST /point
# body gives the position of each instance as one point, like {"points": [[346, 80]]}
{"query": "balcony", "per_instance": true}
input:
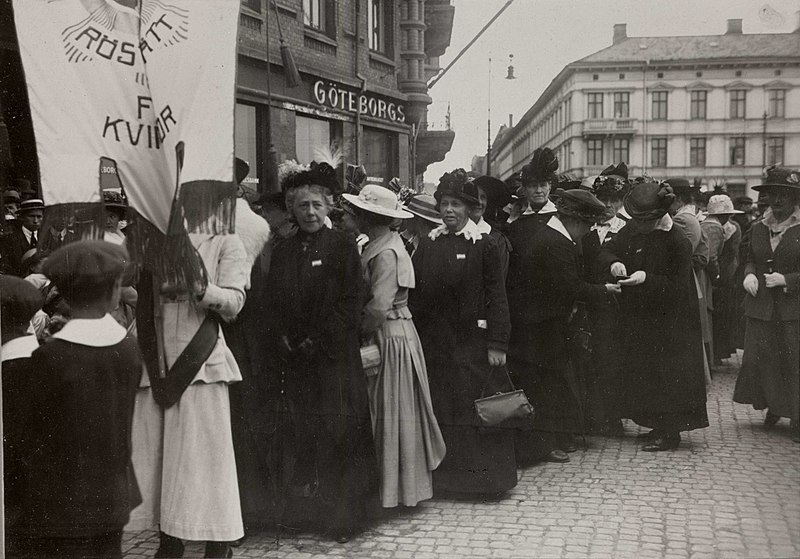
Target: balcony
{"points": [[609, 126]]}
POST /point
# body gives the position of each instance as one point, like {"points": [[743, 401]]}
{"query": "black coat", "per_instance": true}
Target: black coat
{"points": [[315, 292], [659, 332], [81, 481], [12, 247]]}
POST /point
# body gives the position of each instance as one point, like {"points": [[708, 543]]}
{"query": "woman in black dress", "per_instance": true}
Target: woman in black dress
{"points": [[662, 359], [322, 453], [460, 308]]}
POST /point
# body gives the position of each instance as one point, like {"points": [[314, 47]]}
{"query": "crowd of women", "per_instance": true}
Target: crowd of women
{"points": [[332, 368]]}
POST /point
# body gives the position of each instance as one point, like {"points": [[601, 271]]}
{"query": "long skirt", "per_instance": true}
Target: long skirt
{"points": [[408, 442], [770, 373], [183, 458]]}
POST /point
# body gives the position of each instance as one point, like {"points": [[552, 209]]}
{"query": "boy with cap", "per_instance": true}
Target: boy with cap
{"points": [[82, 486], [19, 301], [23, 236]]}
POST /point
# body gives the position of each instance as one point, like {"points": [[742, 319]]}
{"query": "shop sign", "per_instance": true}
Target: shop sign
{"points": [[335, 96]]}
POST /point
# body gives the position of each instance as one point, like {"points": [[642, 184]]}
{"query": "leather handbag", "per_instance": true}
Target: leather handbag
{"points": [[502, 407], [371, 359]]}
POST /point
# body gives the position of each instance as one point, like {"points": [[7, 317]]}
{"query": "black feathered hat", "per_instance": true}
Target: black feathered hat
{"points": [[459, 185], [543, 167], [320, 174]]}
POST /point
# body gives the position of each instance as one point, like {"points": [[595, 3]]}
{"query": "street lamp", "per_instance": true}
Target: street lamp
{"points": [[509, 76]]}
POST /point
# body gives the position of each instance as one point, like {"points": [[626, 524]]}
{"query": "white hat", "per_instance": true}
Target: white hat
{"points": [[720, 204], [378, 200]]}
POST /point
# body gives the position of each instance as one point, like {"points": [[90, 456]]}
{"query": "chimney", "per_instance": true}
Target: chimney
{"points": [[734, 27], [620, 32], [510, 120]]}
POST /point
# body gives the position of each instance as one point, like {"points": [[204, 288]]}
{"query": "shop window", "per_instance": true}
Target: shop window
{"points": [[310, 135], [380, 155], [246, 141], [659, 111], [775, 151], [622, 105], [697, 152], [380, 25], [595, 105], [697, 105], [658, 152]]}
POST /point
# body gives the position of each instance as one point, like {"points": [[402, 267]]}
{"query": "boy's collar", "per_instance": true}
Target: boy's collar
{"points": [[92, 332]]}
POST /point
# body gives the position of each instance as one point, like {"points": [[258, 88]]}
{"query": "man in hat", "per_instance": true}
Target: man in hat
{"points": [[544, 358], [426, 218], [23, 237], [82, 430]]}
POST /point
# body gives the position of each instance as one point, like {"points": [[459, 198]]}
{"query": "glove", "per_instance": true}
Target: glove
{"points": [[637, 278], [750, 284], [613, 288], [775, 279], [618, 269]]}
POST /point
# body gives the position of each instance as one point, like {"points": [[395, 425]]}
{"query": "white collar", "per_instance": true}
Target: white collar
{"points": [[470, 232], [624, 213], [483, 227], [665, 223], [92, 332], [773, 225], [556, 224], [19, 348], [27, 232], [548, 208]]}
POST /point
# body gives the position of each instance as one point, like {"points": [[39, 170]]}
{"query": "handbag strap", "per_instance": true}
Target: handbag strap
{"points": [[489, 377]]}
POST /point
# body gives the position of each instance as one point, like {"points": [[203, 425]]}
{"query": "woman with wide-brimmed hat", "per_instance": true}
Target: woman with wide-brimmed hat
{"points": [[662, 359], [460, 308], [408, 441], [770, 374], [426, 218]]}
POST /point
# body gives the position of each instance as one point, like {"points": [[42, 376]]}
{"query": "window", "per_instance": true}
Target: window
{"points": [[776, 99], [314, 14], [659, 111], [774, 151], [380, 155], [246, 141], [620, 152], [738, 97], [697, 152], [595, 105], [380, 25], [311, 133], [622, 106], [737, 151], [658, 152], [697, 104], [254, 5], [594, 152]]}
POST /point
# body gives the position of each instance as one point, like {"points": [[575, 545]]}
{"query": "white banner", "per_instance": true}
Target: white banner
{"points": [[129, 80]]}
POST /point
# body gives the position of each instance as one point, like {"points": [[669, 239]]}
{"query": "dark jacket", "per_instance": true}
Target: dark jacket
{"points": [[12, 247], [81, 480], [776, 303]]}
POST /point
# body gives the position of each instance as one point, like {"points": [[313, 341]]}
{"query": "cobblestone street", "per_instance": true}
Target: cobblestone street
{"points": [[732, 490]]}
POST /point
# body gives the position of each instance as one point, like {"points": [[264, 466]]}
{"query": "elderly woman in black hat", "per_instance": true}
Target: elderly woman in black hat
{"points": [[488, 215], [408, 441], [460, 308], [770, 374], [322, 440], [662, 358], [546, 367]]}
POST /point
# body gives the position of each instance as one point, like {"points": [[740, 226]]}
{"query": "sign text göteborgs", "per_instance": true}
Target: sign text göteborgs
{"points": [[333, 95]]}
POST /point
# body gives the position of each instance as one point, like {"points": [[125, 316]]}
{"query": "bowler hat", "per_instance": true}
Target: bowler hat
{"points": [[378, 200], [32, 204], [10, 196], [497, 193], [19, 300], [780, 176], [648, 200], [720, 204], [85, 264], [580, 204], [424, 206]]}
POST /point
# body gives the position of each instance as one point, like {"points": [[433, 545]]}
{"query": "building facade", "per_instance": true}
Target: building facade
{"points": [[715, 109], [363, 68]]}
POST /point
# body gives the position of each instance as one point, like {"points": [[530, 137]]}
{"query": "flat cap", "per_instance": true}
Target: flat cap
{"points": [[19, 300], [86, 263]]}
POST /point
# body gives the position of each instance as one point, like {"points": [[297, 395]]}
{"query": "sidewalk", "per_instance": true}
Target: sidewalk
{"points": [[731, 490]]}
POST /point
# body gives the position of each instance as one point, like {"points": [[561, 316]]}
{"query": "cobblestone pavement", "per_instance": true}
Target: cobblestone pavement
{"points": [[731, 490]]}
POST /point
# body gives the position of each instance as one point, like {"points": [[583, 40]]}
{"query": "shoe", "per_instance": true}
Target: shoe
{"points": [[770, 420], [666, 442], [218, 550], [558, 456], [169, 547]]}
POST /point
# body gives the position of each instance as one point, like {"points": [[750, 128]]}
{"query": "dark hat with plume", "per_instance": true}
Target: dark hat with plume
{"points": [[780, 177], [579, 203], [459, 185], [649, 200], [543, 167], [612, 182]]}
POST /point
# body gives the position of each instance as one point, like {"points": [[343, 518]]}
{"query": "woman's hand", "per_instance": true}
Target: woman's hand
{"points": [[775, 280], [613, 288], [750, 284], [637, 278], [497, 358], [618, 269]]}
